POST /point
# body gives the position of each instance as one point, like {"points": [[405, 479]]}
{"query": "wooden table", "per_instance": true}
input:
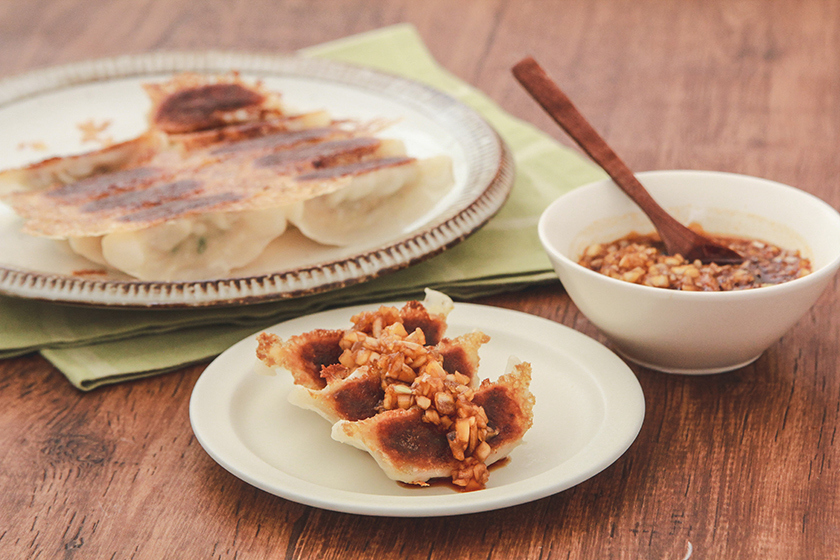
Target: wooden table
{"points": [[741, 465]]}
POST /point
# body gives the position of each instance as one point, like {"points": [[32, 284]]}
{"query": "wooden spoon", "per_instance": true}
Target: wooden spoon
{"points": [[676, 237]]}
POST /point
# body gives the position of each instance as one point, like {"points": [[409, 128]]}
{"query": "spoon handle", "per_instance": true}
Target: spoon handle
{"points": [[534, 79], [677, 238]]}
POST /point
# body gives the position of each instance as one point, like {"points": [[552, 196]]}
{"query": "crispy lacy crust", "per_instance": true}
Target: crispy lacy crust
{"points": [[174, 184], [416, 408], [68, 169], [461, 354], [192, 102], [412, 448], [308, 356], [304, 355], [214, 144], [248, 130], [509, 405]]}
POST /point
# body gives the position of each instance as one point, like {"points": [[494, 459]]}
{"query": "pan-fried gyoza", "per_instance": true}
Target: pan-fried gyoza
{"points": [[222, 170], [393, 385]]}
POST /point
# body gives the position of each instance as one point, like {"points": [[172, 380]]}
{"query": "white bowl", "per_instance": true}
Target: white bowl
{"points": [[693, 332]]}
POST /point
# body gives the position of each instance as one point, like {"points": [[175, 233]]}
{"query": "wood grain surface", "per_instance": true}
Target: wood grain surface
{"points": [[743, 465]]}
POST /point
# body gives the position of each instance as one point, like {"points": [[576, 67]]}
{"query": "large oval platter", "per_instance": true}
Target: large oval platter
{"points": [[45, 113]]}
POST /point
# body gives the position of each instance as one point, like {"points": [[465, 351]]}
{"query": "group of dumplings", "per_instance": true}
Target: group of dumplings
{"points": [[393, 385], [222, 170]]}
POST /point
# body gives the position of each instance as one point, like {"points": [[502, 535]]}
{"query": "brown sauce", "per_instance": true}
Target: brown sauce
{"points": [[641, 259], [447, 482]]}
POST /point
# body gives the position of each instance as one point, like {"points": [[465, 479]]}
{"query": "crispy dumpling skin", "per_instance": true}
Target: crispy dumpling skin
{"points": [[405, 447], [509, 404], [216, 148], [323, 385], [389, 394], [461, 354], [191, 102], [413, 451], [355, 396], [306, 354], [302, 355]]}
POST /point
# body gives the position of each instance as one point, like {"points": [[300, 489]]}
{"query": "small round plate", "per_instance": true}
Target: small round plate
{"points": [[589, 409], [57, 111]]}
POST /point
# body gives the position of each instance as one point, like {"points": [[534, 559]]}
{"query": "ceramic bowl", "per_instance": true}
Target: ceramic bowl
{"points": [[693, 332]]}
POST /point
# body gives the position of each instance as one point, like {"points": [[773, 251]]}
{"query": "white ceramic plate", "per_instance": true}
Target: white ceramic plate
{"points": [[41, 114], [589, 409]]}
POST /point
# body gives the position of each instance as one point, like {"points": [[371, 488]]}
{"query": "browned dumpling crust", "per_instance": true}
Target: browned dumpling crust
{"points": [[411, 398], [220, 172]]}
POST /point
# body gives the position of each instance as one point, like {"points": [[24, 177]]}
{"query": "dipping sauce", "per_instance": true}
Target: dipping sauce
{"points": [[641, 259]]}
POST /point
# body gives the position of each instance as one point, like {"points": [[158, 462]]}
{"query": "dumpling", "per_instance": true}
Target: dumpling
{"points": [[411, 449], [385, 202], [204, 246]]}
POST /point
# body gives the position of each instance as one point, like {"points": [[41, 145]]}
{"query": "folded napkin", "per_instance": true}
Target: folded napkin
{"points": [[93, 346]]}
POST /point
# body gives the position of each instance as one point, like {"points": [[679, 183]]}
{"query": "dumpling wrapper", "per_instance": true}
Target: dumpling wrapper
{"points": [[412, 451], [205, 246], [376, 206], [304, 355], [358, 395]]}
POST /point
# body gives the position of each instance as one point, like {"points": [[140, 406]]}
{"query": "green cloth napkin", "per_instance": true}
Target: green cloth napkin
{"points": [[93, 347]]}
